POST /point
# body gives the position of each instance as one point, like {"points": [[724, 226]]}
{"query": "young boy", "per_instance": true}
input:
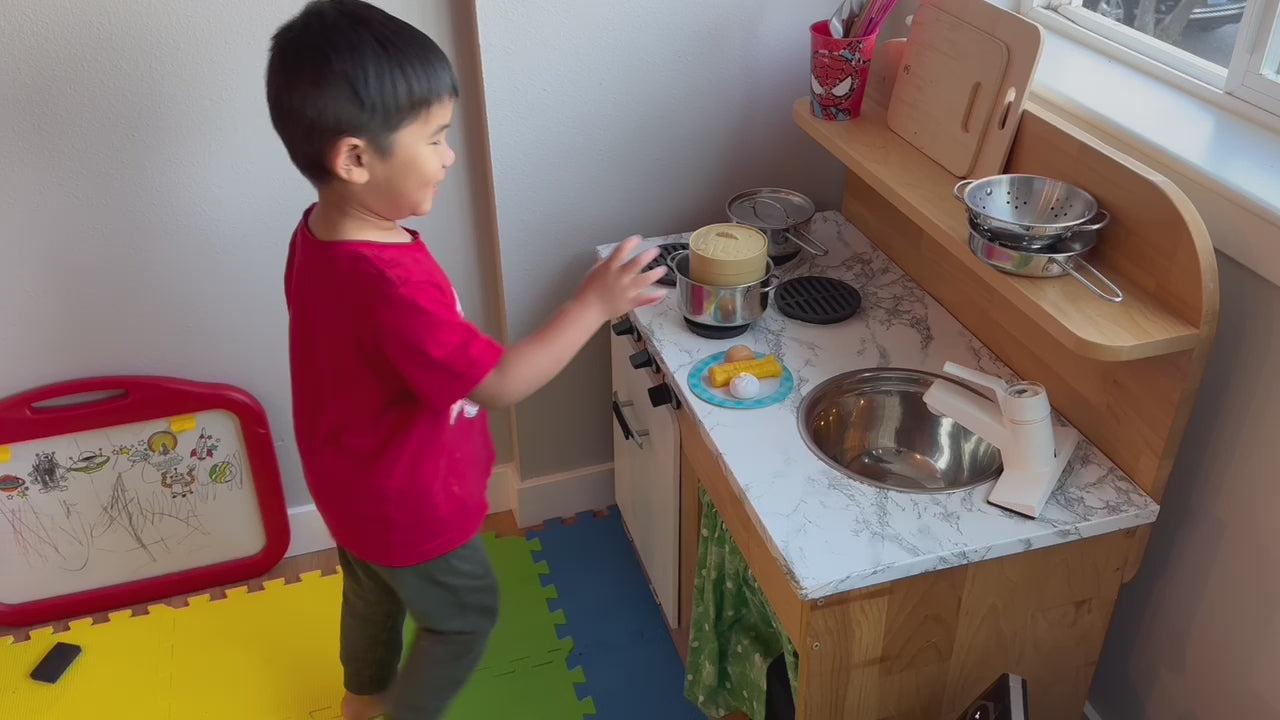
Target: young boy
{"points": [[388, 378]]}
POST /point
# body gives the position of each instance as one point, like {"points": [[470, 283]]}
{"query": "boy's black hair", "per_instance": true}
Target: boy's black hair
{"points": [[346, 68]]}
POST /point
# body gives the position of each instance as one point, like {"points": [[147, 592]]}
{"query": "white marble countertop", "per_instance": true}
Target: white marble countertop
{"points": [[833, 534]]}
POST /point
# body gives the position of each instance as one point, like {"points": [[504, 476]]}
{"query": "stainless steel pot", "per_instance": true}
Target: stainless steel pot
{"points": [[1061, 258], [1029, 210], [723, 307], [778, 214]]}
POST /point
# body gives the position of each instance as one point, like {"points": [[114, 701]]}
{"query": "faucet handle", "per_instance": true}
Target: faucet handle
{"points": [[976, 377], [1021, 402]]}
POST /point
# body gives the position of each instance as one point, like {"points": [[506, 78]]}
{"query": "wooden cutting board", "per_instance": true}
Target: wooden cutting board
{"points": [[947, 88], [1022, 40]]}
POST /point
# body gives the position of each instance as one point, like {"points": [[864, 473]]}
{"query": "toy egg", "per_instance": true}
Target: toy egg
{"points": [[744, 386]]}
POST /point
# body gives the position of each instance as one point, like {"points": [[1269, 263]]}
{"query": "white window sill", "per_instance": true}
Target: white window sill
{"points": [[1212, 146]]}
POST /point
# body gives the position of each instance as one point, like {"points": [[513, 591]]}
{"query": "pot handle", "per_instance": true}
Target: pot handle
{"points": [[809, 243], [1114, 296], [671, 261], [1099, 219], [960, 188]]}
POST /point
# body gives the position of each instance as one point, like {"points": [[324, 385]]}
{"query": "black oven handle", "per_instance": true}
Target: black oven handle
{"points": [[623, 425]]}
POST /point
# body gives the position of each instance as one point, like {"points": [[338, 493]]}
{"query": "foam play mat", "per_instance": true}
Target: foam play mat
{"points": [[273, 655], [620, 637]]}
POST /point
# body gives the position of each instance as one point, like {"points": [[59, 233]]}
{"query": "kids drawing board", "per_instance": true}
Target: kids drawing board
{"points": [[122, 490]]}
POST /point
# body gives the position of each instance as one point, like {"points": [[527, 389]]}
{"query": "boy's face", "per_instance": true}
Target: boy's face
{"points": [[404, 182]]}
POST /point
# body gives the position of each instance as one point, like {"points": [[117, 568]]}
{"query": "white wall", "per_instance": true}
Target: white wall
{"points": [[146, 204], [607, 119]]}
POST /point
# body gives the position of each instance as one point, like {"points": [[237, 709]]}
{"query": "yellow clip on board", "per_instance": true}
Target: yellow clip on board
{"points": [[5, 454], [183, 424]]}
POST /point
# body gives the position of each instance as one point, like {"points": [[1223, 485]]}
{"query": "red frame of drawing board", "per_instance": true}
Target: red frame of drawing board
{"points": [[26, 416]]}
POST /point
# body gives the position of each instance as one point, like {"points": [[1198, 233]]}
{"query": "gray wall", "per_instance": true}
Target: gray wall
{"points": [[1196, 635], [607, 119], [146, 203]]}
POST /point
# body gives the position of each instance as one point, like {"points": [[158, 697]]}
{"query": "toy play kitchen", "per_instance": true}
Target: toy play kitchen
{"points": [[966, 470]]}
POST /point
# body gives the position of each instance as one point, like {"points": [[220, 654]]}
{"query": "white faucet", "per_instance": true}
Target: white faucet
{"points": [[1020, 423]]}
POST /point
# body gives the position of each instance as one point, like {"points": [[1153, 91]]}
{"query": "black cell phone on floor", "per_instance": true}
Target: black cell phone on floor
{"points": [[55, 663]]}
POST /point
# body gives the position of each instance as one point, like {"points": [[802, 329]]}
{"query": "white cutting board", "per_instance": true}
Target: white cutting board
{"points": [[947, 88]]}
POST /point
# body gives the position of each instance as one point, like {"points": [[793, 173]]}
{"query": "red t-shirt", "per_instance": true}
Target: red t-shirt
{"points": [[382, 360]]}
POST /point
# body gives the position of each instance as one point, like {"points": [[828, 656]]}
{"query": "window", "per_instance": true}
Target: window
{"points": [[1232, 46]]}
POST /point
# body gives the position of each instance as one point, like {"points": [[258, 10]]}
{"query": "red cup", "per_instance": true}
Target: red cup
{"points": [[838, 69]]}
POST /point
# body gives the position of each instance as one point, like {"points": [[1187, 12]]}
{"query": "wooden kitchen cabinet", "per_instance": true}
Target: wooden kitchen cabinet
{"points": [[922, 647]]}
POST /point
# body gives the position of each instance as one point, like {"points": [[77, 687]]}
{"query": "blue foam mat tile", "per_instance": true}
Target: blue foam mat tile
{"points": [[620, 636]]}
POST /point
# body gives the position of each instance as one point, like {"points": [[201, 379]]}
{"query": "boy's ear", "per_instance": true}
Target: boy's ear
{"points": [[349, 160]]}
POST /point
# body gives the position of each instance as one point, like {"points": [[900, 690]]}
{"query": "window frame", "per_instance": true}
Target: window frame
{"points": [[1243, 88], [1257, 47]]}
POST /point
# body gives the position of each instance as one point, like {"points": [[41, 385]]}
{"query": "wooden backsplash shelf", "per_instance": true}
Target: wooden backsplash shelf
{"points": [[1139, 327]]}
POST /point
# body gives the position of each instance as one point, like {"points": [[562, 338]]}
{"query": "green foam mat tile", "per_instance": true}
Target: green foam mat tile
{"points": [[526, 628], [529, 692]]}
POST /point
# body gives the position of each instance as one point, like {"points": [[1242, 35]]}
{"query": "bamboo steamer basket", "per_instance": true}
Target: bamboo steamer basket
{"points": [[728, 255]]}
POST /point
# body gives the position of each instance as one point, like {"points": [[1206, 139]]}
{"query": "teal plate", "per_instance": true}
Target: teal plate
{"points": [[772, 390]]}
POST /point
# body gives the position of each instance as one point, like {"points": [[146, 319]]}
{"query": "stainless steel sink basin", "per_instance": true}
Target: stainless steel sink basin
{"points": [[873, 426]]}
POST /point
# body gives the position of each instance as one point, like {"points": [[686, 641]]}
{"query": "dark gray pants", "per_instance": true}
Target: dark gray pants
{"points": [[454, 602]]}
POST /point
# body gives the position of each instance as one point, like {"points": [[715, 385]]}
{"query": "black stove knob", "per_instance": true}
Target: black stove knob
{"points": [[661, 394], [624, 327], [642, 360]]}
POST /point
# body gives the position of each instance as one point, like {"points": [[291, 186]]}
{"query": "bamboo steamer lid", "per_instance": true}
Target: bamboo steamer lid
{"points": [[727, 255]]}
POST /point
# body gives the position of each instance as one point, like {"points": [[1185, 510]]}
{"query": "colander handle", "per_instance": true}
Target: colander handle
{"points": [[961, 187], [1099, 219]]}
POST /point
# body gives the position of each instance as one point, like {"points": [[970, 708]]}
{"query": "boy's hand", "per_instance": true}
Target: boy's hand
{"points": [[616, 285]]}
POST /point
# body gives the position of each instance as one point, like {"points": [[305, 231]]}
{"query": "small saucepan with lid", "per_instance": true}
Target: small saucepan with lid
{"points": [[1029, 211], [777, 213]]}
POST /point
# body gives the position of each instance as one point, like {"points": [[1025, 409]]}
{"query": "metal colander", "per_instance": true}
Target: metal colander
{"points": [[1029, 210]]}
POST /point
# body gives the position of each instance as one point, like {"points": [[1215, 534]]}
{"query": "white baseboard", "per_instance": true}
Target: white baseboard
{"points": [[502, 485], [309, 533], [1090, 713], [563, 495]]}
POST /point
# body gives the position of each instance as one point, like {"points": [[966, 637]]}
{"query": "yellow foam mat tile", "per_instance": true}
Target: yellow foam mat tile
{"points": [[191, 663], [117, 669], [293, 672]]}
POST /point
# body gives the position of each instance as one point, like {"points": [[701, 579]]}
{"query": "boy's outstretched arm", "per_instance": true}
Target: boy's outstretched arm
{"points": [[615, 286]]}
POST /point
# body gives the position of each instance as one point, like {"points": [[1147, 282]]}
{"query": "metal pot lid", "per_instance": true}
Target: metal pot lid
{"points": [[770, 208]]}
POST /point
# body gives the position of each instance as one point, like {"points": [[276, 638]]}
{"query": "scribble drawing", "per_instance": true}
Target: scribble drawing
{"points": [[107, 506], [47, 474], [123, 511]]}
